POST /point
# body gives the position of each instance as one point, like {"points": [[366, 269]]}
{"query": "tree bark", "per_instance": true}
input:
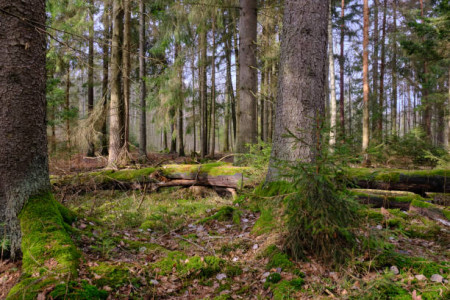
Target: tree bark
{"points": [[341, 72], [365, 137], [116, 115], [213, 89], [126, 71], [247, 132], [24, 160], [394, 73], [105, 47], [300, 104], [332, 83], [91, 148], [203, 96], [67, 108], [383, 64], [143, 95], [375, 74]]}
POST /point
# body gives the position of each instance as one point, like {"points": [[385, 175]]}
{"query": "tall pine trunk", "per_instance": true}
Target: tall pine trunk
{"points": [[126, 71], [117, 109], [383, 65], [143, 91], [394, 74], [105, 78], [91, 150], [365, 134], [332, 83], [341, 72], [247, 131], [203, 96], [300, 104], [23, 152], [213, 90]]}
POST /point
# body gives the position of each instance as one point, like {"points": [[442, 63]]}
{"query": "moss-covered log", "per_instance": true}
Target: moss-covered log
{"points": [[413, 203], [49, 254], [219, 175], [419, 182]]}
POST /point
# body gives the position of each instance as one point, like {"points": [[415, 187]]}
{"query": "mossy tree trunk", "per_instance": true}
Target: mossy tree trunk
{"points": [[24, 161]]}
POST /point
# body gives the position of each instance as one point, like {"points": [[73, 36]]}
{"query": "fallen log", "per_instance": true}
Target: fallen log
{"points": [[217, 175], [419, 182], [414, 203]]}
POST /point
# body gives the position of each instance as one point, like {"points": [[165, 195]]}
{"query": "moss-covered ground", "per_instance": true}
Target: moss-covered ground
{"points": [[173, 244]]}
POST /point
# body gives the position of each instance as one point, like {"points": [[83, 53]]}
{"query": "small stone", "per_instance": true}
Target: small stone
{"points": [[140, 229], [255, 246], [154, 282], [82, 226], [245, 220], [235, 259], [266, 274], [436, 278], [142, 249], [221, 276], [391, 238], [394, 270], [379, 227], [420, 277], [278, 270]]}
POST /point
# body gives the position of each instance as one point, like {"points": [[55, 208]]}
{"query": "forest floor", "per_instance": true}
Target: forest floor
{"points": [[182, 243]]}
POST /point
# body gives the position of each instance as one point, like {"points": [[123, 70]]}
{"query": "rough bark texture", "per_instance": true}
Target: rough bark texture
{"points": [[143, 94], [365, 137], [332, 84], [116, 117], [375, 75], [301, 88], [23, 151], [105, 48], [382, 68], [126, 70], [203, 98], [213, 89], [247, 132], [394, 73], [341, 71], [91, 149]]}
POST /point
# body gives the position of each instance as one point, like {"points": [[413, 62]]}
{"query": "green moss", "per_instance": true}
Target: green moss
{"points": [[265, 223], [274, 278], [79, 291], [193, 267], [48, 250], [277, 259], [384, 288], [375, 215], [417, 265], [395, 223], [213, 169], [286, 289], [422, 204], [112, 275], [446, 213], [226, 213], [392, 175], [130, 175]]}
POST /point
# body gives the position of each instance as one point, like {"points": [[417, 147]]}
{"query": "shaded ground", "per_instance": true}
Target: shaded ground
{"points": [[193, 244]]}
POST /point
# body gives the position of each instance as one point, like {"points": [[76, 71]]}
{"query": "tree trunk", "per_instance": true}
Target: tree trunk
{"points": [[180, 96], [238, 84], [375, 75], [194, 118], [341, 72], [91, 149], [203, 96], [365, 137], [332, 83], [106, 35], [67, 107], [394, 74], [383, 64], [247, 132], [143, 95], [24, 163], [213, 90], [301, 91], [116, 115], [126, 71], [447, 123]]}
